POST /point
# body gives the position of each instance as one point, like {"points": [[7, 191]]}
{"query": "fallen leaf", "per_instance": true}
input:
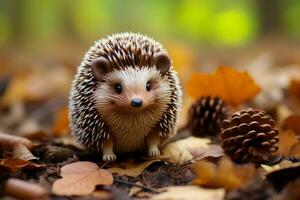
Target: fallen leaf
{"points": [[232, 86], [16, 164], [225, 174], [281, 177], [295, 151], [179, 151], [291, 190], [130, 168], [8, 141], [80, 178], [189, 193], [22, 152], [61, 123], [295, 88], [292, 123], [202, 152], [287, 139]]}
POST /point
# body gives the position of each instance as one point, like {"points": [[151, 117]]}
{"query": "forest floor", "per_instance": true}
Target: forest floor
{"points": [[36, 146]]}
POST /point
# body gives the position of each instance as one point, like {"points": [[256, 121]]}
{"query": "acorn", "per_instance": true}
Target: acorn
{"points": [[206, 116], [249, 136]]}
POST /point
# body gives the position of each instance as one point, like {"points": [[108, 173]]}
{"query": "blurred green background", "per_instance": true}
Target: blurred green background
{"points": [[61, 31], [218, 22]]}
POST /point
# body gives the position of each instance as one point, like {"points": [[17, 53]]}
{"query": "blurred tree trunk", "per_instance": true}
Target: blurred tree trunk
{"points": [[15, 12], [270, 13]]}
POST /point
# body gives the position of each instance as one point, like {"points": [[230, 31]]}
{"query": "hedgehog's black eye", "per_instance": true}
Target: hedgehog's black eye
{"points": [[118, 88], [148, 86]]}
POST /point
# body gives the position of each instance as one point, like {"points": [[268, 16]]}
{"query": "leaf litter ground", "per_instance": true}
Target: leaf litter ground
{"points": [[195, 166]]}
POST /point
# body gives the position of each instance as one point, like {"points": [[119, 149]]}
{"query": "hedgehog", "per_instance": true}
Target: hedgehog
{"points": [[125, 97]]}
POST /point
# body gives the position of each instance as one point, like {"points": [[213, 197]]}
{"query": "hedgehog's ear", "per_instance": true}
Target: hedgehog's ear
{"points": [[162, 62], [100, 66]]}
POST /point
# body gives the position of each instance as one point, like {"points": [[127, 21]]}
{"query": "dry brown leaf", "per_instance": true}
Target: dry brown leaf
{"points": [[130, 168], [295, 151], [292, 123], [189, 193], [23, 153], [8, 142], [211, 151], [179, 151], [287, 139], [232, 86], [61, 123], [295, 88], [16, 164], [80, 178], [225, 174]]}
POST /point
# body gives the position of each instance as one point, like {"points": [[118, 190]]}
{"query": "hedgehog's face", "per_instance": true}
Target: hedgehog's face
{"points": [[133, 90]]}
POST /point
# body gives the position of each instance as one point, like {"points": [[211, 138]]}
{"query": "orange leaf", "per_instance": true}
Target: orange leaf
{"points": [[287, 140], [295, 88], [81, 178], [61, 123], [225, 174], [295, 151], [232, 86], [292, 123]]}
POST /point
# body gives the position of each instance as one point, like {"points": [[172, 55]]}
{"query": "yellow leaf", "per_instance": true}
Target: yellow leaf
{"points": [[232, 86]]}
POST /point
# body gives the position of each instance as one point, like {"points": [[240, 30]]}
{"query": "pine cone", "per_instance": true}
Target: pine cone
{"points": [[206, 115], [250, 135]]}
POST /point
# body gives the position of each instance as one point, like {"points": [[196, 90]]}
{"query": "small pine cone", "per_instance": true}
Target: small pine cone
{"points": [[206, 116], [250, 135]]}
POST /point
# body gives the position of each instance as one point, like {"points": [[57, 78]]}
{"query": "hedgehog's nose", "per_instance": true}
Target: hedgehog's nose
{"points": [[136, 102]]}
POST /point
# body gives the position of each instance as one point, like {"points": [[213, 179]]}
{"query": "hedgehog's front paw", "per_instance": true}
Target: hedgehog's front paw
{"points": [[153, 151], [109, 157]]}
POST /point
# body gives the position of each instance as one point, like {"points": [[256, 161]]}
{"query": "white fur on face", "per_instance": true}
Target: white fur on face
{"points": [[127, 122]]}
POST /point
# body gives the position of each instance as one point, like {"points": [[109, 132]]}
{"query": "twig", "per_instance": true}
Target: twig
{"points": [[24, 190], [136, 185]]}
